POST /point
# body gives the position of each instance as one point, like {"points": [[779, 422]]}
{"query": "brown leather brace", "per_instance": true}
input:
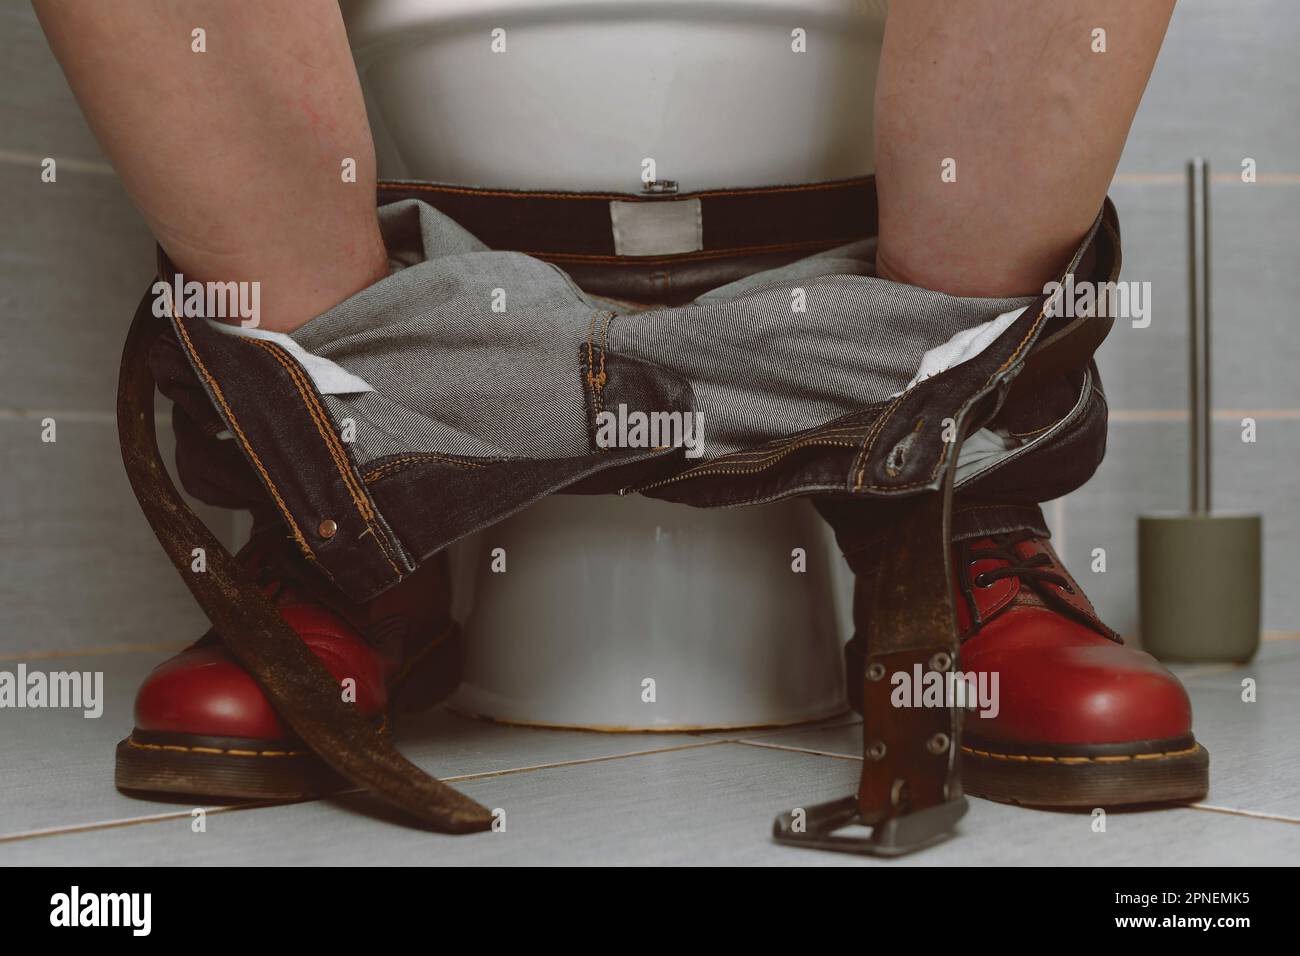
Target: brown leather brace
{"points": [[909, 753], [295, 681]]}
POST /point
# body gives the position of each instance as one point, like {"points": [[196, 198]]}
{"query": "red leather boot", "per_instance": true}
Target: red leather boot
{"points": [[1072, 717], [203, 726]]}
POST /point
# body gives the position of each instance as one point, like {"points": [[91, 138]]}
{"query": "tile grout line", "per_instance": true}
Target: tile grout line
{"points": [[1205, 807], [484, 774], [107, 650], [20, 158], [14, 413], [1253, 814], [1227, 179], [134, 821], [460, 778], [798, 750], [16, 158], [1149, 415]]}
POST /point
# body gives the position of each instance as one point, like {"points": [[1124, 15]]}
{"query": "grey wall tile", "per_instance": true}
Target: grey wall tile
{"points": [[40, 115], [79, 566], [70, 280], [1255, 248], [1146, 470], [1260, 478], [1225, 86], [1147, 367]]}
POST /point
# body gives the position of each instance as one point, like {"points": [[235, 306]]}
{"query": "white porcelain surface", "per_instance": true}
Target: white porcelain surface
{"points": [[599, 595], [603, 593], [586, 90]]}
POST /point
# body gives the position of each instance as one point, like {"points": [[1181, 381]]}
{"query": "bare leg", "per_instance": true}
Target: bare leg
{"points": [[234, 156], [1034, 119]]}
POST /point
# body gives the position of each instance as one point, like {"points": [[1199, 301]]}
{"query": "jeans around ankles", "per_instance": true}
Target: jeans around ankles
{"points": [[491, 380]]}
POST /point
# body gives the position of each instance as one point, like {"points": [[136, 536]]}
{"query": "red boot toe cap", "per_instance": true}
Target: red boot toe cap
{"points": [[1073, 688], [202, 691]]}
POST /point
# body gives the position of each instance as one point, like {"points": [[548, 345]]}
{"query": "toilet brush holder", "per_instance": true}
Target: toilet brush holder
{"points": [[1200, 585], [1199, 574]]}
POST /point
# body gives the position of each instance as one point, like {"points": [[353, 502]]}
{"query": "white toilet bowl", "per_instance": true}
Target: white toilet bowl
{"points": [[631, 613]]}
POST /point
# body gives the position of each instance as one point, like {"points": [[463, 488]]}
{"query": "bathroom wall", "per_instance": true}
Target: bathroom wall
{"points": [[79, 568], [1226, 88]]}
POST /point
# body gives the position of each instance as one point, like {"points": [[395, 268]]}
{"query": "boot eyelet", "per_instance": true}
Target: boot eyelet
{"points": [[982, 582], [941, 661]]}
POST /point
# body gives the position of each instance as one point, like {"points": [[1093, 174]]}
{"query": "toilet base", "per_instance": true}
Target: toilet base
{"points": [[838, 711], [670, 619]]}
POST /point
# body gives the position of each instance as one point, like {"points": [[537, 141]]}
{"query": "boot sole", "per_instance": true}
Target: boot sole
{"points": [[1146, 772], [239, 768], [230, 768], [1105, 775]]}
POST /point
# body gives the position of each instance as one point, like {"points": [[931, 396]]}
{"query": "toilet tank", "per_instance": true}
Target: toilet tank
{"points": [[535, 94]]}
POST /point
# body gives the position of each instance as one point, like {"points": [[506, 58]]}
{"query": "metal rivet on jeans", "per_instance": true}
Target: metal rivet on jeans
{"points": [[938, 744], [941, 661], [328, 528]]}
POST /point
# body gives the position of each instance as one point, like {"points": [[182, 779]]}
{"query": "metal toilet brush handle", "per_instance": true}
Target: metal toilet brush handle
{"points": [[1199, 573]]}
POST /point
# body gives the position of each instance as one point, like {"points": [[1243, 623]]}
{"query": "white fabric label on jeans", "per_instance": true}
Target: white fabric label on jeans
{"points": [[328, 377], [660, 227]]}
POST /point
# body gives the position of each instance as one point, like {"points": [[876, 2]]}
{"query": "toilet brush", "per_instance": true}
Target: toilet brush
{"points": [[1199, 573]]}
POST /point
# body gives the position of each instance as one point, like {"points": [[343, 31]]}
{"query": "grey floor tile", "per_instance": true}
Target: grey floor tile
{"points": [[1224, 86], [448, 744], [763, 733], [1254, 756], [79, 566], [70, 287], [60, 764], [840, 740], [1254, 762], [712, 804]]}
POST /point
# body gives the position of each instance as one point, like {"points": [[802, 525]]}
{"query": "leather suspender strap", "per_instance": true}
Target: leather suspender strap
{"points": [[295, 681], [910, 790]]}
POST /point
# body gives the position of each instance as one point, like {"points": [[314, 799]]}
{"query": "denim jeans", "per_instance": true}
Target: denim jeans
{"points": [[491, 372]]}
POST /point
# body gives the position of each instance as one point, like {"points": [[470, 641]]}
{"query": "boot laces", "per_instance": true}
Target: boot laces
{"points": [[1035, 567]]}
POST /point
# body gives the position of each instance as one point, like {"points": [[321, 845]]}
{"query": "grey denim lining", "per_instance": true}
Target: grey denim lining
{"points": [[452, 376]]}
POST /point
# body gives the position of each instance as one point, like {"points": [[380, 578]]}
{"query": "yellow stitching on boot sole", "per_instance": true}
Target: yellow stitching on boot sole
{"points": [[131, 741], [1120, 758]]}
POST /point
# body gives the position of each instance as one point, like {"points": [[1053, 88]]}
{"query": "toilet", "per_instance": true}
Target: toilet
{"points": [[628, 613]]}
